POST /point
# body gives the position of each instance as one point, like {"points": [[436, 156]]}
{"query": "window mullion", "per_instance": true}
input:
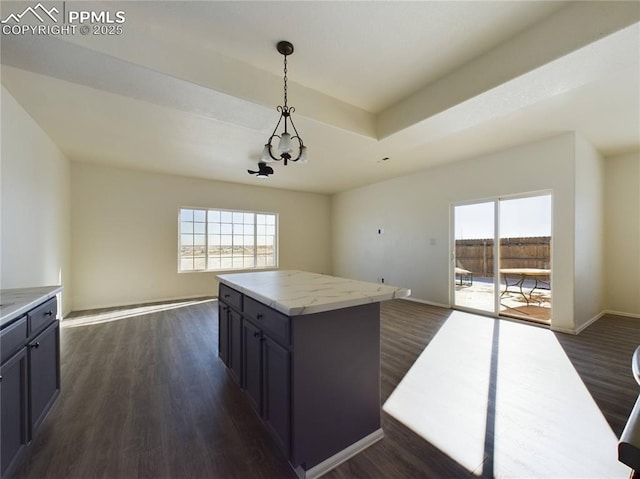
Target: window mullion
{"points": [[233, 242], [206, 240], [255, 240]]}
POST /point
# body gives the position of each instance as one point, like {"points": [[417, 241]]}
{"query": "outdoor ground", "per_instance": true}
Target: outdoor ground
{"points": [[479, 295]]}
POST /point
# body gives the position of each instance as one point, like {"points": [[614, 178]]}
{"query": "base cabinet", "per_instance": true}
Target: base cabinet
{"points": [[276, 392], [252, 361], [267, 374], [229, 339], [313, 379], [29, 379], [223, 332], [13, 402], [44, 373], [235, 345]]}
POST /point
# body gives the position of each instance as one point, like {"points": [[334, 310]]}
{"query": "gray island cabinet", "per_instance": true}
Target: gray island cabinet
{"points": [[305, 348]]}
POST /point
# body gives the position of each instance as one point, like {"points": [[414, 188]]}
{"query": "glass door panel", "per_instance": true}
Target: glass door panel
{"points": [[525, 257], [474, 280]]}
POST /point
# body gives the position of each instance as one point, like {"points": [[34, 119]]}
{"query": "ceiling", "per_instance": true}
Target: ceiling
{"points": [[190, 87]]}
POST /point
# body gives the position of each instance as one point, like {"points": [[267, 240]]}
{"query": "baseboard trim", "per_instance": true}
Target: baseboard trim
{"points": [[603, 313], [562, 330], [142, 303], [580, 328], [622, 313], [589, 322], [430, 303], [342, 456]]}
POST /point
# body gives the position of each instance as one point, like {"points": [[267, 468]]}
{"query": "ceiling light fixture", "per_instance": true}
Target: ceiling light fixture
{"points": [[263, 170], [290, 148]]}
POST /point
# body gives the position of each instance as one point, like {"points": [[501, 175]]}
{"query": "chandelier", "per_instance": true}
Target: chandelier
{"points": [[289, 148]]}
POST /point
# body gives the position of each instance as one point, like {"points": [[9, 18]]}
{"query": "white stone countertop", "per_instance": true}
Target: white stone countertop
{"points": [[16, 302], [298, 292]]}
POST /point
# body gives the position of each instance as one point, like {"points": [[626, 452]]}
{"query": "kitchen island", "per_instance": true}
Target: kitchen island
{"points": [[305, 348]]}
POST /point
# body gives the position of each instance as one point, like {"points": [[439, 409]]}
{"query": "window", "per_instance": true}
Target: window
{"points": [[217, 240]]}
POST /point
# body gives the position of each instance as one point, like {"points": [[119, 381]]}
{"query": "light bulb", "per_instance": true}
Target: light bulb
{"points": [[266, 156], [285, 143], [304, 156]]}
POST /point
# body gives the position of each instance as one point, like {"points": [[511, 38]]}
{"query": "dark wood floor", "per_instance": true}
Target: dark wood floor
{"points": [[602, 355], [146, 396]]}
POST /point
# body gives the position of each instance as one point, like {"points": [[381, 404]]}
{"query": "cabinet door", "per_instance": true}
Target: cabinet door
{"points": [[13, 403], [235, 345], [223, 332], [44, 374], [251, 363], [276, 380]]}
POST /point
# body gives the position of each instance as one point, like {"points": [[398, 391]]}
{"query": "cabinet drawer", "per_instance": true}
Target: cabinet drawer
{"points": [[271, 321], [13, 338], [43, 315], [230, 296]]}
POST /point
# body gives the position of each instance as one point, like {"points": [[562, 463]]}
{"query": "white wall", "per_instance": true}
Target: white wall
{"points": [[589, 234], [125, 232], [622, 234], [35, 221], [415, 209]]}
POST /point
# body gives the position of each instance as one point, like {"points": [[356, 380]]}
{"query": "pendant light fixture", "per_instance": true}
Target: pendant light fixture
{"points": [[289, 148]]}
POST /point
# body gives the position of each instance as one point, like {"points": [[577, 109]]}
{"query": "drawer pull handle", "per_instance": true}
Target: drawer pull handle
{"points": [[227, 295], [256, 334], [49, 313], [35, 345], [259, 316]]}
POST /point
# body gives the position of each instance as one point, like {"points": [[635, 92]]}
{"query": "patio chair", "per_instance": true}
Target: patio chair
{"points": [[463, 275]]}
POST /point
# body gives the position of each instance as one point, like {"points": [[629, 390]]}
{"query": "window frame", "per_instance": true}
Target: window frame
{"points": [[207, 222]]}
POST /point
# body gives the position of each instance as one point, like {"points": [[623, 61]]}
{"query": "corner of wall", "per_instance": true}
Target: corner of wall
{"points": [[589, 233], [35, 204], [622, 234]]}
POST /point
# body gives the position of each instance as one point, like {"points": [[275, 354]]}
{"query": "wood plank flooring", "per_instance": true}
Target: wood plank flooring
{"points": [[146, 396], [602, 355]]}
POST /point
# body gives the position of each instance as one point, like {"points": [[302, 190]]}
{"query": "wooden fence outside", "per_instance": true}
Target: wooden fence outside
{"points": [[477, 254]]}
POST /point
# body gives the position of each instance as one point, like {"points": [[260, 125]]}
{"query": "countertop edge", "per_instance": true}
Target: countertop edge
{"points": [[319, 308], [37, 296]]}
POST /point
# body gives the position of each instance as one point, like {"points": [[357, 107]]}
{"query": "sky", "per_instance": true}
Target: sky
{"points": [[521, 217]]}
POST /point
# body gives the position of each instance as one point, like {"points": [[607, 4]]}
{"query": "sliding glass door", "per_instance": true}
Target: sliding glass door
{"points": [[474, 279], [502, 257], [525, 257]]}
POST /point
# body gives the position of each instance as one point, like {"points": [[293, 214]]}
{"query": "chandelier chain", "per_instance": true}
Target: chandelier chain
{"points": [[285, 82]]}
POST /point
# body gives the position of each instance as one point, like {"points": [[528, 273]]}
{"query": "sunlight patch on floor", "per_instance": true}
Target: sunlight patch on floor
{"points": [[100, 316], [542, 421]]}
